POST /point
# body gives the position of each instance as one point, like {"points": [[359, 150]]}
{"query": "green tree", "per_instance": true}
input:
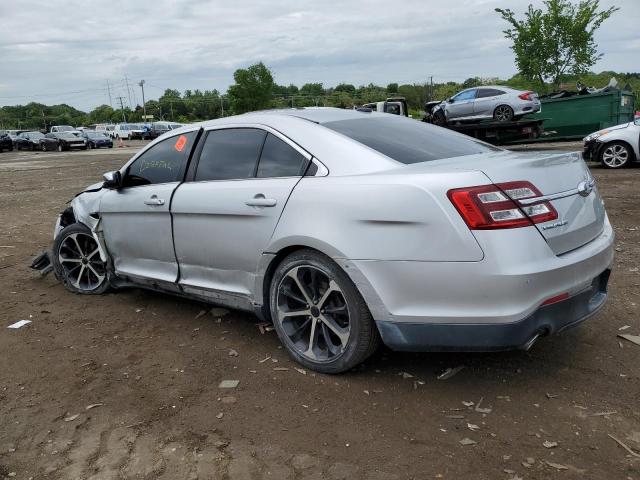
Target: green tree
{"points": [[101, 114], [312, 89], [547, 44], [346, 88], [392, 88], [253, 88]]}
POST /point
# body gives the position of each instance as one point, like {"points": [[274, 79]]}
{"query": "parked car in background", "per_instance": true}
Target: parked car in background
{"points": [[5, 142], [65, 128], [67, 141], [614, 147], [96, 139], [159, 128], [14, 136], [30, 141], [307, 223], [127, 131], [499, 103], [136, 130], [105, 128]]}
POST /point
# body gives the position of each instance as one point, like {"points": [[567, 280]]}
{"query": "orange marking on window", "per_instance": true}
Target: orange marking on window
{"points": [[180, 143]]}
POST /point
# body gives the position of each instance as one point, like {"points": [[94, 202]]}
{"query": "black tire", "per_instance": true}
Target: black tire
{"points": [[65, 273], [363, 337], [439, 118], [43, 147], [60, 147], [503, 113], [616, 155], [33, 147]]}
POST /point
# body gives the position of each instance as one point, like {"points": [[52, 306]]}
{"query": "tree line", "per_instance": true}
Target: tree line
{"points": [[255, 89]]}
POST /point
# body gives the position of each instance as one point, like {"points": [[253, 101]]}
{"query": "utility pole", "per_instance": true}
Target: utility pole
{"points": [[144, 105], [126, 81], [222, 105], [109, 92], [171, 106], [124, 119]]}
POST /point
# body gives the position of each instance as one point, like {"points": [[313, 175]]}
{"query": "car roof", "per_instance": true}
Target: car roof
{"points": [[340, 154]]}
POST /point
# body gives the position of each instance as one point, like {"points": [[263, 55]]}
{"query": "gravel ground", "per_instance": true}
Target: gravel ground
{"points": [[149, 366]]}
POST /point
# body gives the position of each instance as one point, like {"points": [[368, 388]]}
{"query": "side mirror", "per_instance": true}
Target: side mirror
{"points": [[112, 180], [450, 100]]}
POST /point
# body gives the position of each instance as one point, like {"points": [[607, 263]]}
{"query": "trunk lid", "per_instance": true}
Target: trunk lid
{"points": [[566, 178]]}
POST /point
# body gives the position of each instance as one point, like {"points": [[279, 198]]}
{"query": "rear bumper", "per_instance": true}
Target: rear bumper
{"points": [[487, 337], [492, 304]]}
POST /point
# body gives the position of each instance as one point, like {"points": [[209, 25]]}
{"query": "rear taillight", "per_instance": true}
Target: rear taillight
{"points": [[497, 206], [525, 96]]}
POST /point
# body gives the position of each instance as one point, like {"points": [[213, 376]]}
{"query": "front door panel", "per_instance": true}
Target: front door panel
{"points": [[137, 229]]}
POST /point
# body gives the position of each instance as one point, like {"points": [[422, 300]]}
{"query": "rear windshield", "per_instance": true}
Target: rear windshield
{"points": [[408, 141]]}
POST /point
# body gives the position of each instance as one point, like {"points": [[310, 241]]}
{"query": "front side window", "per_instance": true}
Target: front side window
{"points": [[230, 154], [468, 95], [279, 159], [163, 163]]}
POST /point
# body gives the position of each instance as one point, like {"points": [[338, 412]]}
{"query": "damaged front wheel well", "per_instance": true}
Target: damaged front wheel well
{"points": [[67, 217]]}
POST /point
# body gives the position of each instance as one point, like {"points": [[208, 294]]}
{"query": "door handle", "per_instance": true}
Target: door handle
{"points": [[154, 201], [260, 201]]}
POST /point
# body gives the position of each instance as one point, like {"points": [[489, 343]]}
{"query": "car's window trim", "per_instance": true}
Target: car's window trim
{"points": [[125, 169], [191, 173]]}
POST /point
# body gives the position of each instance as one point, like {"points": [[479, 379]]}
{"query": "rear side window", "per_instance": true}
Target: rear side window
{"points": [[408, 141], [163, 163], [279, 159], [230, 154], [489, 92]]}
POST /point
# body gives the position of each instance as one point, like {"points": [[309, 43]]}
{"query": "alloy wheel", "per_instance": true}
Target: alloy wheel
{"points": [[615, 156], [313, 313], [80, 260], [503, 113]]}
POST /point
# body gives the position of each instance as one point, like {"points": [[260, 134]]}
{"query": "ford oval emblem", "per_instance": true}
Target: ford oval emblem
{"points": [[585, 188]]}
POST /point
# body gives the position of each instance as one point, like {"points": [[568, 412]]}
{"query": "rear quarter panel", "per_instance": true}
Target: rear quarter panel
{"points": [[379, 217]]}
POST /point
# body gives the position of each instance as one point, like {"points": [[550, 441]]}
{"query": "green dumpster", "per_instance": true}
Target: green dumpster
{"points": [[578, 116]]}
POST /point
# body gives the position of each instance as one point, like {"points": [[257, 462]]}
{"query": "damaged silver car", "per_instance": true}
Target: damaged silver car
{"points": [[347, 228]]}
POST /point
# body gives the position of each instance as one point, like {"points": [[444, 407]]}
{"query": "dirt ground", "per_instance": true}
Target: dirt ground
{"points": [[153, 367]]}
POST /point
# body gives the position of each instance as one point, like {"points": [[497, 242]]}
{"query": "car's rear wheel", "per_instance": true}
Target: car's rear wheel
{"points": [[60, 147], [77, 262], [503, 113], [615, 155], [319, 315], [43, 147]]}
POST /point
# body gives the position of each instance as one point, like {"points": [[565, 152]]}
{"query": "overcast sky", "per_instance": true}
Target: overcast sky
{"points": [[65, 51]]}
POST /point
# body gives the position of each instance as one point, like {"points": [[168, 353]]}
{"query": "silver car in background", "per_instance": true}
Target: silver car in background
{"points": [[502, 104], [347, 228]]}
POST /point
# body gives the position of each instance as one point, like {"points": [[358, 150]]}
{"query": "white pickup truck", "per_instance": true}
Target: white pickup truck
{"points": [[394, 105]]}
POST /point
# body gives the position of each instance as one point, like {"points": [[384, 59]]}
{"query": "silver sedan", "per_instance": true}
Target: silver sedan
{"points": [[500, 103], [348, 228]]}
